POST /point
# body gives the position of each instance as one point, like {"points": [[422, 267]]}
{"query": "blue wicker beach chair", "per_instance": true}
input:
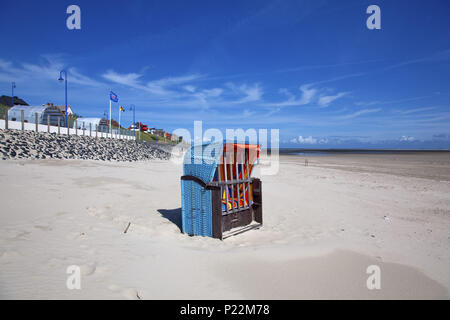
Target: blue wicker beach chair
{"points": [[218, 196]]}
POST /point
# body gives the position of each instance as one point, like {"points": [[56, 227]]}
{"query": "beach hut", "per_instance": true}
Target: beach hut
{"points": [[219, 196]]}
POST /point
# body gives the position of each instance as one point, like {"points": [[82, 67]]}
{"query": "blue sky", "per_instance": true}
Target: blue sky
{"points": [[309, 68]]}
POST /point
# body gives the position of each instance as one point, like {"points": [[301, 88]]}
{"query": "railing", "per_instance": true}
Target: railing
{"points": [[52, 125]]}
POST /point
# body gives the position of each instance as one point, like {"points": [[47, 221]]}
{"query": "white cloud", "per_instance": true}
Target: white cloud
{"points": [[179, 91], [307, 94], [170, 81], [437, 56], [5, 64], [324, 101], [129, 79], [359, 113], [378, 102], [251, 93], [165, 86], [304, 140], [77, 77], [409, 111], [189, 88], [306, 97], [202, 98], [158, 87], [407, 139], [215, 92], [247, 113], [367, 103], [48, 70]]}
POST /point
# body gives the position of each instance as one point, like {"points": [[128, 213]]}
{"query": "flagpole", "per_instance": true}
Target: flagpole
{"points": [[110, 113], [110, 118], [119, 119]]}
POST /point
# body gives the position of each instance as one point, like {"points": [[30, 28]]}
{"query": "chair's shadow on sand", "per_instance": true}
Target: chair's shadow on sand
{"points": [[173, 215]]}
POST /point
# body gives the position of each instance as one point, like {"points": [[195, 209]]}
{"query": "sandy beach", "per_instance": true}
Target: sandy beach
{"points": [[324, 224]]}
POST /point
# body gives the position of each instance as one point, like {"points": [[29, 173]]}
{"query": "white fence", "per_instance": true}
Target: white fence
{"points": [[89, 131]]}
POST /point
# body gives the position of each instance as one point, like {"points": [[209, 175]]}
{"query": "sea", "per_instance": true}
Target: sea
{"points": [[328, 152]]}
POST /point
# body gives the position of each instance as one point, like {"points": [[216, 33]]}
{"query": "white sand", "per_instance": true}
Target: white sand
{"points": [[323, 226]]}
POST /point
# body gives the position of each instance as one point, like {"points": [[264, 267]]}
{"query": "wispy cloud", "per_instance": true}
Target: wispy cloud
{"points": [[189, 88], [171, 81], [252, 93], [358, 113], [328, 66], [343, 77], [379, 102], [407, 138], [415, 110], [215, 92], [47, 70], [158, 87], [128, 79], [324, 101], [248, 93], [247, 113], [307, 95], [436, 57], [5, 65]]}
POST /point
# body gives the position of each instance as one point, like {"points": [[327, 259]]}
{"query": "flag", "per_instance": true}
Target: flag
{"points": [[113, 96], [122, 109]]}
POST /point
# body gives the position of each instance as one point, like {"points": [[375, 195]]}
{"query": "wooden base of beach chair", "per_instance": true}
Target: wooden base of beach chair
{"points": [[239, 230], [237, 220]]}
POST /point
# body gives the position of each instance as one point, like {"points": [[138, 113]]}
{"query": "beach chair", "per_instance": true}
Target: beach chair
{"points": [[219, 198]]}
